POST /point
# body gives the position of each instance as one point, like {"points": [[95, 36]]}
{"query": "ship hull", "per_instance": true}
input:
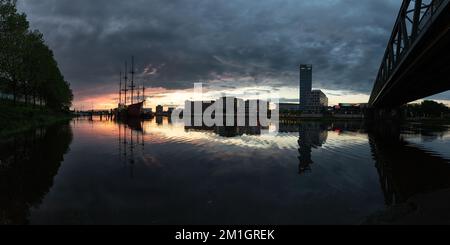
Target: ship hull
{"points": [[130, 111], [135, 110]]}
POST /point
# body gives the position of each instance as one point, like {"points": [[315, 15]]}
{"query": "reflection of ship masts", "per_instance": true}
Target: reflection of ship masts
{"points": [[142, 136], [120, 142], [131, 141], [131, 159], [125, 140]]}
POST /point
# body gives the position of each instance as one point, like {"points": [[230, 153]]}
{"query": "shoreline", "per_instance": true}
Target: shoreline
{"points": [[339, 119], [21, 118]]}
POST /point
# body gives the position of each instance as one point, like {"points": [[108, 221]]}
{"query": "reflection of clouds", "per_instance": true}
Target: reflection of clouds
{"points": [[435, 145], [241, 146], [177, 133]]}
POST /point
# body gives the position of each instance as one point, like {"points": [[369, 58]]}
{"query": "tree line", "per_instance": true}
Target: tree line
{"points": [[427, 108], [28, 68]]}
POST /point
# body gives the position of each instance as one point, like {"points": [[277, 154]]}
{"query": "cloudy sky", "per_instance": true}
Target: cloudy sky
{"points": [[233, 46]]}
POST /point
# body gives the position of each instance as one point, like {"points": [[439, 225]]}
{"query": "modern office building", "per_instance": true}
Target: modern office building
{"points": [[288, 107], [311, 101], [305, 85], [318, 100]]}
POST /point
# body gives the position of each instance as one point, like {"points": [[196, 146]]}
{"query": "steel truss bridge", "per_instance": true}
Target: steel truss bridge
{"points": [[416, 63]]}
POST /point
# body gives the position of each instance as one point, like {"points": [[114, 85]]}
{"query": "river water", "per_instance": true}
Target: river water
{"points": [[155, 172]]}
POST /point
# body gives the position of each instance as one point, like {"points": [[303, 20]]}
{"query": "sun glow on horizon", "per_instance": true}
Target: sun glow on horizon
{"points": [[176, 98]]}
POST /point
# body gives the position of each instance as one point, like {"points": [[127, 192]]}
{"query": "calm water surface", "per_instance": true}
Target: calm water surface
{"points": [[155, 172]]}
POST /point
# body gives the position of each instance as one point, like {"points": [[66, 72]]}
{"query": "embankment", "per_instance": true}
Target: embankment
{"points": [[19, 118]]}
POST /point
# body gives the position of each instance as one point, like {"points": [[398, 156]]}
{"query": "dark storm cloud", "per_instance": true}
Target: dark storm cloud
{"points": [[177, 42]]}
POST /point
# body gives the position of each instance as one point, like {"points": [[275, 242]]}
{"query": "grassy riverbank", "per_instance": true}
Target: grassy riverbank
{"points": [[20, 118]]}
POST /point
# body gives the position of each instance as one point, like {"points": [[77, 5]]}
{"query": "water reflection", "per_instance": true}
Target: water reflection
{"points": [[159, 120], [406, 169], [311, 135], [28, 165], [158, 172], [227, 131]]}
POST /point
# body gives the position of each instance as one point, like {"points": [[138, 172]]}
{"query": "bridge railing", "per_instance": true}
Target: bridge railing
{"points": [[414, 18]]}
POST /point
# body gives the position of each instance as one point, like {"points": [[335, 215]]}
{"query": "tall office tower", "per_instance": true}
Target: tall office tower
{"points": [[305, 86]]}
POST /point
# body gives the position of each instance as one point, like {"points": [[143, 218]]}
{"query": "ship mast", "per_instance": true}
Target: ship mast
{"points": [[132, 79], [126, 80], [120, 89], [143, 92]]}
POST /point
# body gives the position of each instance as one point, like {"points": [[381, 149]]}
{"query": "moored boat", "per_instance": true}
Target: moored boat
{"points": [[134, 110]]}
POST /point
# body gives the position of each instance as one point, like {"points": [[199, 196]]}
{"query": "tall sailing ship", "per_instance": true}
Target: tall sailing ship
{"points": [[134, 109]]}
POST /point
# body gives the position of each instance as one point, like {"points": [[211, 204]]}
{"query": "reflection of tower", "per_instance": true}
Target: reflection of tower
{"points": [[304, 149], [311, 135]]}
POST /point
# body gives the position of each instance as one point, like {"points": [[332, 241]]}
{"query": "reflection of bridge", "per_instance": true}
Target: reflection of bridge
{"points": [[415, 181], [405, 169], [417, 59]]}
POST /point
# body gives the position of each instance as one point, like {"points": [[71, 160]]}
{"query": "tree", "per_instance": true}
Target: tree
{"points": [[427, 108], [27, 64], [13, 27], [434, 109], [34, 52]]}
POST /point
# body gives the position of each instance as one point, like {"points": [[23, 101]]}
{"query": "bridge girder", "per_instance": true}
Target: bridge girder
{"points": [[421, 26]]}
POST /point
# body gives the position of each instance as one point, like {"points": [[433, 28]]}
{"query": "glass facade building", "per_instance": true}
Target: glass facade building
{"points": [[305, 85]]}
